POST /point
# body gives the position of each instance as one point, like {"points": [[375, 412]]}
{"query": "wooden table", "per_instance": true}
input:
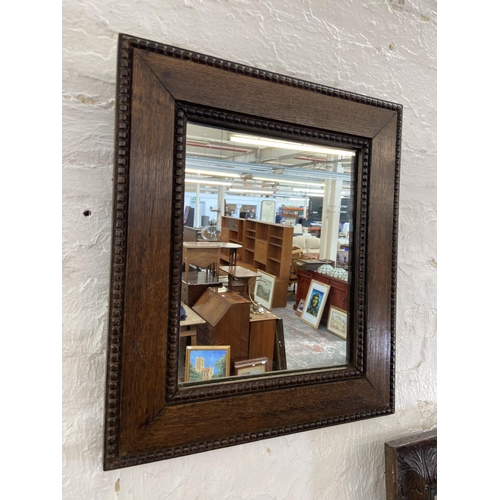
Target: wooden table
{"points": [[191, 320], [240, 273], [204, 253], [194, 285]]}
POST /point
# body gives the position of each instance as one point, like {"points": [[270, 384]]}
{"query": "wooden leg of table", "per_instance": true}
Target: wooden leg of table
{"points": [[245, 289], [189, 333]]}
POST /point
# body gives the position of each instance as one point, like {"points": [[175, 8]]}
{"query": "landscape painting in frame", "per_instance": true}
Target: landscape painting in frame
{"points": [[315, 302], [206, 363], [337, 322], [264, 289], [251, 366]]}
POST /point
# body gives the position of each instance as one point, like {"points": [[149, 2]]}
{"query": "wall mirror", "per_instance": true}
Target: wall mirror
{"points": [[293, 262], [253, 275]]}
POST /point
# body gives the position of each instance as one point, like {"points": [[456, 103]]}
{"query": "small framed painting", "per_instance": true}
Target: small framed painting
{"points": [[315, 302], [207, 362], [264, 289], [300, 307], [251, 366], [337, 322]]}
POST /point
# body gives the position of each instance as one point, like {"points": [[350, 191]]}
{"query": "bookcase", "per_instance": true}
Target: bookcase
{"points": [[266, 247], [232, 232], [293, 212]]}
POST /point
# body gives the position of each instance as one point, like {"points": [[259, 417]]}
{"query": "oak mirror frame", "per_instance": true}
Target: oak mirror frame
{"points": [[148, 415]]}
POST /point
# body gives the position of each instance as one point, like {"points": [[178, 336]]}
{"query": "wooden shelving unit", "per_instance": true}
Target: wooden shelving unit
{"points": [[266, 247], [232, 232], [293, 212]]}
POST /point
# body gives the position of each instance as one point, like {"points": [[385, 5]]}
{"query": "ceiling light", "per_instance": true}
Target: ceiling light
{"points": [[286, 181], [302, 190], [273, 143], [249, 191], [210, 172], [208, 182]]}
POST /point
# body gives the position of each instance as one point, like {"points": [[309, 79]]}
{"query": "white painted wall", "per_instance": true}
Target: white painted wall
{"points": [[380, 48]]}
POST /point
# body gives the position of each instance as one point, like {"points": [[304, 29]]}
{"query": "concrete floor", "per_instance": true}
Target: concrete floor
{"points": [[307, 347]]}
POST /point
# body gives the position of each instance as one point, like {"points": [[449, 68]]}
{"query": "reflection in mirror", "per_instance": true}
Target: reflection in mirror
{"points": [[268, 230]]}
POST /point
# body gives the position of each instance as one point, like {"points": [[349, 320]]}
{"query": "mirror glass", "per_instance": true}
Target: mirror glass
{"points": [[268, 230]]}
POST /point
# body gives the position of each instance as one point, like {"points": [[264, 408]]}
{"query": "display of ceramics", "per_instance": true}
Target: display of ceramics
{"points": [[338, 272]]}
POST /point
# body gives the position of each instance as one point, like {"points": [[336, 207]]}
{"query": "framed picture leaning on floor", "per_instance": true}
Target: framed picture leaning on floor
{"points": [[264, 289], [300, 307], [315, 302], [337, 322]]}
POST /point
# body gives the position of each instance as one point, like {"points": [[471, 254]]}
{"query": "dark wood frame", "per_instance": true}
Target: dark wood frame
{"points": [[148, 416], [411, 467]]}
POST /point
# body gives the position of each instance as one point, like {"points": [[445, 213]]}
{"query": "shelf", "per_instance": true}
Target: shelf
{"points": [[274, 260], [266, 247]]}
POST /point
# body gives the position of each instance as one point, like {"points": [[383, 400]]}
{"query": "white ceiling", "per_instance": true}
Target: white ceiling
{"points": [[284, 167]]}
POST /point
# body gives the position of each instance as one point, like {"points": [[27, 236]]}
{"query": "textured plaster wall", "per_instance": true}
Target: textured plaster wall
{"points": [[382, 48]]}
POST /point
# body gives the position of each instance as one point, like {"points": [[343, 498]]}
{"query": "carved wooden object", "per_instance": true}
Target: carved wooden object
{"points": [[149, 416], [411, 467]]}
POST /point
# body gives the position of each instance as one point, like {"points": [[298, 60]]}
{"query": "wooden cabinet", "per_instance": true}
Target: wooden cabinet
{"points": [[266, 247], [227, 316], [338, 296], [262, 336], [226, 320]]}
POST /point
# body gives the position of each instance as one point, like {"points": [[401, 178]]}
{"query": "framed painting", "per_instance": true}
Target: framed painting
{"points": [[251, 366], [315, 302], [206, 362], [337, 322], [300, 307], [264, 289]]}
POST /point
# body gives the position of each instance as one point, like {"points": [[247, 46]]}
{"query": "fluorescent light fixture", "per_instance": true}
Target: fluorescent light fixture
{"points": [[286, 181], [295, 199], [210, 172], [273, 143], [208, 182], [249, 191], [305, 190], [315, 195]]}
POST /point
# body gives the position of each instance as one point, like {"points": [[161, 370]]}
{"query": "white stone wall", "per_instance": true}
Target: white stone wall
{"points": [[381, 48]]}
